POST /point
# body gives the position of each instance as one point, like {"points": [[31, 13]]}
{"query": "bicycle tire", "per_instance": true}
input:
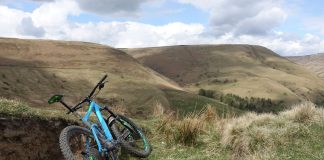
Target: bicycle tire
{"points": [[131, 149], [66, 136]]}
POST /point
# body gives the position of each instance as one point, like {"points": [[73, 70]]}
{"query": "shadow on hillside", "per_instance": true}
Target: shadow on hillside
{"points": [[34, 82]]}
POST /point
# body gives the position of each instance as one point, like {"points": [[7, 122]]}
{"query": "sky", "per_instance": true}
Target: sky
{"points": [[288, 27]]}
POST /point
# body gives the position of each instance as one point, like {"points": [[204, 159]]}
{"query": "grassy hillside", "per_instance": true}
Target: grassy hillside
{"points": [[34, 70], [293, 134], [244, 70], [186, 102], [313, 62], [296, 133]]}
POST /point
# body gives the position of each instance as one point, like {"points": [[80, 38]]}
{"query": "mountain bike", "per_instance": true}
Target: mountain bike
{"points": [[103, 138]]}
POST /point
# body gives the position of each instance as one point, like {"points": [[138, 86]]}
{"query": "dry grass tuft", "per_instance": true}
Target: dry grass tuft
{"points": [[189, 129], [185, 130], [234, 135], [166, 126], [247, 136], [319, 117], [209, 114], [304, 112], [158, 110], [119, 109], [250, 136]]}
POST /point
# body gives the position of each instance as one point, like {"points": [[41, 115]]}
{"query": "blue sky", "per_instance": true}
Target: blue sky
{"points": [[289, 27]]}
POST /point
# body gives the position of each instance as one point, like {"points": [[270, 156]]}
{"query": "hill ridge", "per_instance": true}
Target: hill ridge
{"points": [[33, 70], [249, 70], [313, 62]]}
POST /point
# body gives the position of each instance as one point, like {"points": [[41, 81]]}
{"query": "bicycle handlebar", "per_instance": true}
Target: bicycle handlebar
{"points": [[99, 83], [87, 99]]}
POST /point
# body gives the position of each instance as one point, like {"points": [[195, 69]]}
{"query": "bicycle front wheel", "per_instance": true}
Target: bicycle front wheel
{"points": [[132, 138], [77, 143]]}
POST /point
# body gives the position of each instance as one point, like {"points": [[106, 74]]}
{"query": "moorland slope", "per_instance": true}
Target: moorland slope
{"points": [[244, 70], [314, 62], [33, 70]]}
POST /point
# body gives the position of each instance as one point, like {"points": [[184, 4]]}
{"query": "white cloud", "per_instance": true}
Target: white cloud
{"points": [[27, 27], [54, 17], [133, 34], [51, 21], [56, 13], [278, 42], [262, 23], [249, 17], [10, 19]]}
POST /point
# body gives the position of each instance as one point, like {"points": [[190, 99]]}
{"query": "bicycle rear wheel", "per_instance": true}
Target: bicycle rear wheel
{"points": [[132, 139], [73, 143]]}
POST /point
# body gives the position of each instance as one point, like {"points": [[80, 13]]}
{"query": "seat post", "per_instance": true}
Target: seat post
{"points": [[65, 105]]}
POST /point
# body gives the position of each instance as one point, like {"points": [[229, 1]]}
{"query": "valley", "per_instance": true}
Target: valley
{"points": [[243, 70]]}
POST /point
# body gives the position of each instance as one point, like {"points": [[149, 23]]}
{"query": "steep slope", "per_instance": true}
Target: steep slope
{"points": [[244, 70], [313, 62], [33, 70]]}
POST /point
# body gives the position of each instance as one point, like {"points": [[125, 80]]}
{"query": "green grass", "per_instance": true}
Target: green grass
{"points": [[208, 145], [185, 103], [162, 151], [304, 147], [297, 133], [18, 109]]}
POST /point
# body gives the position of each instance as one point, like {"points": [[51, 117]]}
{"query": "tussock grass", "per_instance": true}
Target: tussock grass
{"points": [[158, 110], [303, 113], [188, 129], [166, 126], [209, 114], [185, 130], [251, 134]]}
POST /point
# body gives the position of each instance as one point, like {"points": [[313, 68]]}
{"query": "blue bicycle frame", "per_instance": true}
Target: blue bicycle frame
{"points": [[95, 108]]}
